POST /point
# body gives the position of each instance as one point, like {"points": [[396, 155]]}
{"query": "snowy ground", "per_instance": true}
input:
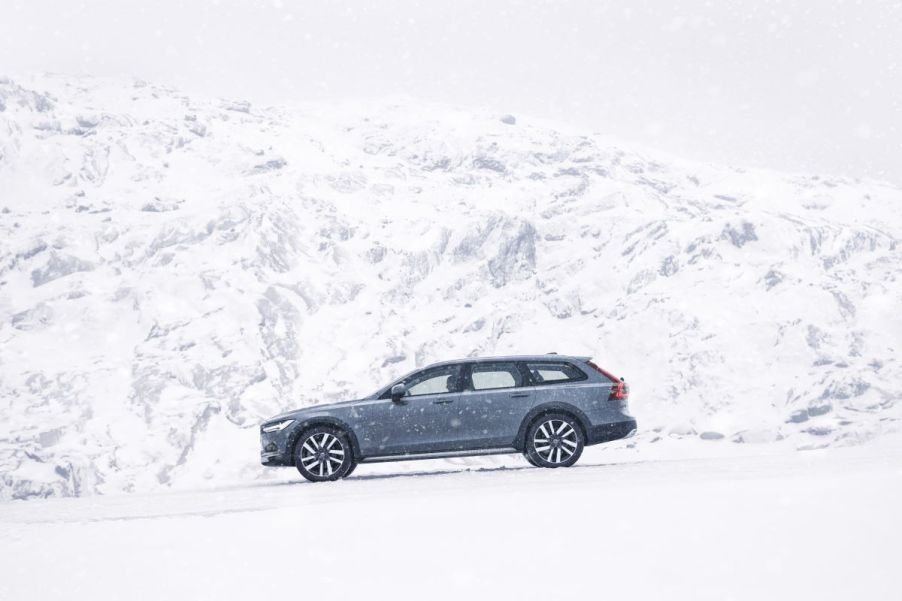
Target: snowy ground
{"points": [[801, 525]]}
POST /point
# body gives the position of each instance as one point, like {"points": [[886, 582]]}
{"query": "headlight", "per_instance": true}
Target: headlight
{"points": [[278, 426]]}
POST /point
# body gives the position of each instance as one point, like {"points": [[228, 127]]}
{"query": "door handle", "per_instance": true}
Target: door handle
{"points": [[442, 401], [519, 395]]}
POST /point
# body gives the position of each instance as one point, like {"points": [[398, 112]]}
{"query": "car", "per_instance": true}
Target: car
{"points": [[547, 407]]}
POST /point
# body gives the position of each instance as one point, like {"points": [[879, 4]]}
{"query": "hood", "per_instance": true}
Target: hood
{"points": [[311, 410]]}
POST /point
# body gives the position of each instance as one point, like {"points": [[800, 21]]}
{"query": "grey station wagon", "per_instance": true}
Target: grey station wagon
{"points": [[547, 407]]}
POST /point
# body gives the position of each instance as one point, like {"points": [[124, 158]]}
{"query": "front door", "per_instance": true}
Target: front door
{"points": [[423, 421]]}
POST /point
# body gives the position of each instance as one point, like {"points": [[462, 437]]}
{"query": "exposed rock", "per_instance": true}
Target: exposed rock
{"points": [[475, 326], [159, 205], [739, 237], [58, 265], [394, 359], [516, 258], [87, 121], [772, 278], [845, 389], [270, 165], [816, 337], [669, 266], [31, 319], [490, 164]]}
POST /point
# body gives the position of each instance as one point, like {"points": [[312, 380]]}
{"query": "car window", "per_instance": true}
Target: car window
{"points": [[434, 381], [486, 376], [550, 373]]}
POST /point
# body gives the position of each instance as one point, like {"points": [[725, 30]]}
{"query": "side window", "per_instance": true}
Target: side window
{"points": [[487, 376], [553, 373], [434, 381]]}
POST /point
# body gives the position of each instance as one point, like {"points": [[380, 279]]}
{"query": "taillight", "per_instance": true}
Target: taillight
{"points": [[620, 391]]}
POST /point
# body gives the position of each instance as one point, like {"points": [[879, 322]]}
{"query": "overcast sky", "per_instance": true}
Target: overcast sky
{"points": [[798, 86]]}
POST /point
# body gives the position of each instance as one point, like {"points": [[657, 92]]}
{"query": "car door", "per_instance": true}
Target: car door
{"points": [[493, 403], [424, 420]]}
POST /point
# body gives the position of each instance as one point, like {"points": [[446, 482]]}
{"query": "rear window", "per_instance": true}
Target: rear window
{"points": [[554, 372]]}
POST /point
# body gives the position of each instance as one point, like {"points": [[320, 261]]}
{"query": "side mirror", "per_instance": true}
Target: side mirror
{"points": [[398, 391]]}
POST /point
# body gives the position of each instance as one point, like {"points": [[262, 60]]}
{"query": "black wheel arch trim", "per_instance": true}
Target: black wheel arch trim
{"points": [[555, 407], [324, 420]]}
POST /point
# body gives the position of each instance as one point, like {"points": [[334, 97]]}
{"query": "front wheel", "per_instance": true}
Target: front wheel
{"points": [[323, 454], [554, 440]]}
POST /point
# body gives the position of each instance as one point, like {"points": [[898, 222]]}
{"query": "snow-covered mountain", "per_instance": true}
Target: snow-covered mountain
{"points": [[175, 269]]}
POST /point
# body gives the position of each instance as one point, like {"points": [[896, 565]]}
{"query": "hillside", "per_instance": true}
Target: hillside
{"points": [[175, 269]]}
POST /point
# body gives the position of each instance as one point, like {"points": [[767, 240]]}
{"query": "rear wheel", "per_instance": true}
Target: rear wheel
{"points": [[554, 440], [323, 454]]}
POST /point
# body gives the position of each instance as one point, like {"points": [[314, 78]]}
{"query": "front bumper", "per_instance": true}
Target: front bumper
{"points": [[275, 448], [609, 432], [272, 459]]}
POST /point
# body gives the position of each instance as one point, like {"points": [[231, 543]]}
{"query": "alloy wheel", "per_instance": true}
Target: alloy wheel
{"points": [[555, 441], [322, 454]]}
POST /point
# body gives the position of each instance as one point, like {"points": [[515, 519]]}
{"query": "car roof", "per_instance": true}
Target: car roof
{"points": [[546, 357]]}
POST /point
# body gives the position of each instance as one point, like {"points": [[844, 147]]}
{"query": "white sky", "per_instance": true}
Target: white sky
{"points": [[798, 86]]}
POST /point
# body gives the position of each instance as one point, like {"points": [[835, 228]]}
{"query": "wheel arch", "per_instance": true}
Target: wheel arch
{"points": [[535, 413], [324, 420]]}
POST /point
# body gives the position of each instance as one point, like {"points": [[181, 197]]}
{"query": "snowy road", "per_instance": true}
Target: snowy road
{"points": [[804, 525]]}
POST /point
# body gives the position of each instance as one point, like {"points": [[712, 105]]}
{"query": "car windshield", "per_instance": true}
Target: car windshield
{"points": [[386, 387]]}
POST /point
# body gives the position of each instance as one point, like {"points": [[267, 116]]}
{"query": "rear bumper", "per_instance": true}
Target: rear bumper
{"points": [[609, 432]]}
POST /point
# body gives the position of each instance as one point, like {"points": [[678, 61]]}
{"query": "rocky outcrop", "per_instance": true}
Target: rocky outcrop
{"points": [[173, 270]]}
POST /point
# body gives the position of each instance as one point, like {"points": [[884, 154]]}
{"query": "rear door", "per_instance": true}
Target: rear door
{"points": [[495, 398]]}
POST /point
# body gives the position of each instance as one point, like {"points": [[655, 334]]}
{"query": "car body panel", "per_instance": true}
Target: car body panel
{"points": [[413, 425]]}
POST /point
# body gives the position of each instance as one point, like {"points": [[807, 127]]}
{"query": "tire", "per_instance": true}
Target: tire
{"points": [[350, 469], [554, 440], [529, 459], [323, 454]]}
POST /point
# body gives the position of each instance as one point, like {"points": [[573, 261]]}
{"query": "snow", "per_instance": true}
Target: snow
{"points": [[773, 525], [175, 269]]}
